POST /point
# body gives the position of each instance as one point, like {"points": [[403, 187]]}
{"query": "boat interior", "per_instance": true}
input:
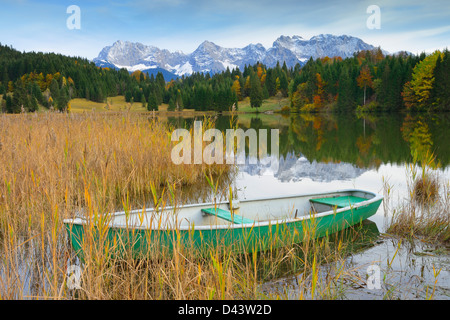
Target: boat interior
{"points": [[240, 212]]}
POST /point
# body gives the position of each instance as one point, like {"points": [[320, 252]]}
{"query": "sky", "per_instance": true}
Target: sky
{"points": [[27, 25]]}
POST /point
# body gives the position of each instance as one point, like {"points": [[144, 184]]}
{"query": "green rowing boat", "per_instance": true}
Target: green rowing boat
{"points": [[246, 225]]}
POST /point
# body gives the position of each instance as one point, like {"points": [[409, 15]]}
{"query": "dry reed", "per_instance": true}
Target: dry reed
{"points": [[54, 165], [424, 213]]}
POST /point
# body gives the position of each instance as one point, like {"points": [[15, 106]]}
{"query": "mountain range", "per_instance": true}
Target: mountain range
{"points": [[295, 167], [209, 57]]}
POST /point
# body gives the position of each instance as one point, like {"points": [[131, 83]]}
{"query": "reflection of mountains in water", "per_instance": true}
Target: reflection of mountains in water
{"points": [[294, 168]]}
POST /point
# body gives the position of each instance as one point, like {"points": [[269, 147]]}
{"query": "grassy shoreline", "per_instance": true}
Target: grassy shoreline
{"points": [[119, 104]]}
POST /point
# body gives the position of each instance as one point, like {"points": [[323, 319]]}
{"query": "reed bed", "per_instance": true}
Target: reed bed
{"points": [[424, 214], [56, 165]]}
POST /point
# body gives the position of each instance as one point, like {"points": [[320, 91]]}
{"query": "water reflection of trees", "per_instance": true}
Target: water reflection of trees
{"points": [[366, 141], [343, 138], [416, 133]]}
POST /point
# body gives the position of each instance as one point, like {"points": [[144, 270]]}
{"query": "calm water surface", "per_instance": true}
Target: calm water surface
{"points": [[329, 152]]}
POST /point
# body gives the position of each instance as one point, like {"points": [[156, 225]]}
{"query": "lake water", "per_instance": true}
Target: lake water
{"points": [[329, 152]]}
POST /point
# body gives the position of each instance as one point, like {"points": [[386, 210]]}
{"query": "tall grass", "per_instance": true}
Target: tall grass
{"points": [[54, 166], [425, 212]]}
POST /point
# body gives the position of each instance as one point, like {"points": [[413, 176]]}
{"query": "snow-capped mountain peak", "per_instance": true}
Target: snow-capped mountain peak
{"points": [[210, 57]]}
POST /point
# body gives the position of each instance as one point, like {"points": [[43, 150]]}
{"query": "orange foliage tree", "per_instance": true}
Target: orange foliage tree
{"points": [[364, 80]]}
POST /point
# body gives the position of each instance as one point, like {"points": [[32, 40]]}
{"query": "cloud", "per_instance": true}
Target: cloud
{"points": [[183, 24]]}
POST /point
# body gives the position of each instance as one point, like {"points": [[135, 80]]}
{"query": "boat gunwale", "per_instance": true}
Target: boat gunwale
{"points": [[377, 197]]}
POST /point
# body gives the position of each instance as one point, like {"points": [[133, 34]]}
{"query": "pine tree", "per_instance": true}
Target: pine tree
{"points": [[33, 104], [63, 99], [37, 93], [440, 93], [345, 99], [20, 98], [152, 103], [54, 89], [256, 93], [128, 96], [143, 101], [9, 105], [172, 104], [160, 80], [284, 84], [271, 83], [179, 101]]}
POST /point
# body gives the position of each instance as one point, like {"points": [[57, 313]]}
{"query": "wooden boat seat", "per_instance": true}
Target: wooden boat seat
{"points": [[226, 215], [339, 202]]}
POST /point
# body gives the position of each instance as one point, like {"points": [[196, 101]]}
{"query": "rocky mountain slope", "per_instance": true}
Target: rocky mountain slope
{"points": [[209, 57]]}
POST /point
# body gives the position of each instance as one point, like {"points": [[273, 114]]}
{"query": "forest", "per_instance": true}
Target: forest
{"points": [[367, 82]]}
